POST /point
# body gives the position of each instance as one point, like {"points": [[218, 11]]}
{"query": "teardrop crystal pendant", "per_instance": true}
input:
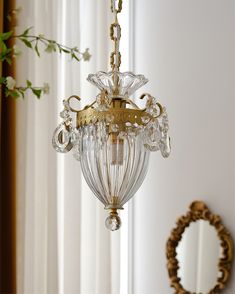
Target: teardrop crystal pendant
{"points": [[112, 137]]}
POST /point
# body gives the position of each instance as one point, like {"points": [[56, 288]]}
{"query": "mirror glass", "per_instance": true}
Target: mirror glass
{"points": [[198, 254]]}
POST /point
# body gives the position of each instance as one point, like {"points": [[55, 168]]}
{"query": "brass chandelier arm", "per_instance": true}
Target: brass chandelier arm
{"points": [[144, 95], [126, 100], [76, 110], [69, 100]]}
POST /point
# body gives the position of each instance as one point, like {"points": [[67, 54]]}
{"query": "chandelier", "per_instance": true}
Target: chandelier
{"points": [[112, 137]]}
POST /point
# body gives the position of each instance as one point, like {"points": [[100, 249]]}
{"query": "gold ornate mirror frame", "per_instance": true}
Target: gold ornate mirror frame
{"points": [[199, 211]]}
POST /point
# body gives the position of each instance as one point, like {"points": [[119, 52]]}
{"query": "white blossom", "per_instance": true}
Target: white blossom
{"points": [[51, 47], [46, 88], [10, 83], [86, 55], [16, 50]]}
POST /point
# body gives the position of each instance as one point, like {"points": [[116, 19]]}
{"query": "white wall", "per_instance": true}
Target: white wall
{"points": [[186, 49]]}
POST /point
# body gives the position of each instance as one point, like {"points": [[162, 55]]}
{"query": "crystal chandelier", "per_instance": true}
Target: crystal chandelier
{"points": [[113, 137]]}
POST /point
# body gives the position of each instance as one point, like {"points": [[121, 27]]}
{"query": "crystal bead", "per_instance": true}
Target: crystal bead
{"points": [[165, 146], [145, 119], [128, 124], [155, 112], [113, 222], [64, 114], [68, 121], [103, 101], [114, 128], [151, 147], [66, 104], [149, 110]]}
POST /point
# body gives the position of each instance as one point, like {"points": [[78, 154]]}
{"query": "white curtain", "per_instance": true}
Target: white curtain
{"points": [[63, 246], [186, 49]]}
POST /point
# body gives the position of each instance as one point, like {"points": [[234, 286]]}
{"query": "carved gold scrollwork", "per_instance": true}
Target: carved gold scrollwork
{"points": [[199, 211], [69, 102], [120, 116]]}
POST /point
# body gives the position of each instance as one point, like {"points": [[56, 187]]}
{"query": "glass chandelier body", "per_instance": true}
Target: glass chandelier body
{"points": [[112, 137]]}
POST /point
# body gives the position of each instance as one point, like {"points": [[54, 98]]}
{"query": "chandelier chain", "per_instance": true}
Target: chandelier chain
{"points": [[115, 35]]}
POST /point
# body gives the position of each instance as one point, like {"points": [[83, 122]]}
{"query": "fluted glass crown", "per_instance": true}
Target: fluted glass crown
{"points": [[127, 82]]}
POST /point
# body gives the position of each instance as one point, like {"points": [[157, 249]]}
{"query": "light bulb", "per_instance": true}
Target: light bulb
{"points": [[117, 149]]}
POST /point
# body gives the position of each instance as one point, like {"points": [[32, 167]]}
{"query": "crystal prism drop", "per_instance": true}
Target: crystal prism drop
{"points": [[61, 140]]}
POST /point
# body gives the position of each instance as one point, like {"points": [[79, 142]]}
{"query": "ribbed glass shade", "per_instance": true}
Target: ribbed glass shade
{"points": [[115, 168]]}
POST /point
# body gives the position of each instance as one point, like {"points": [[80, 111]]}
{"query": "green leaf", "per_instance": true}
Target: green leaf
{"points": [[21, 92], [3, 47], [7, 92], [8, 60], [2, 80], [25, 33], [6, 36], [75, 57], [15, 94], [26, 42], [65, 50], [29, 84], [36, 49], [6, 55], [37, 92]]}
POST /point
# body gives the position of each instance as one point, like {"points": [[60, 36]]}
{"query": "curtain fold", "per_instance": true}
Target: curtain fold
{"points": [[7, 171], [62, 244], [37, 230]]}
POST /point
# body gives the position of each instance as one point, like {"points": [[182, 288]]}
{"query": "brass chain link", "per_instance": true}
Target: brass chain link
{"points": [[115, 35]]}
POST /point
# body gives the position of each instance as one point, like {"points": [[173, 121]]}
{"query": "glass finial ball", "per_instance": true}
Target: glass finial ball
{"points": [[113, 222]]}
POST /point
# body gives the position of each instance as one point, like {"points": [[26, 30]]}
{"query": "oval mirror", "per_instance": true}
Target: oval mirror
{"points": [[199, 252]]}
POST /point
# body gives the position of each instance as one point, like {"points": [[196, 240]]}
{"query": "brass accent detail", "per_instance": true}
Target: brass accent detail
{"points": [[114, 205], [69, 100], [120, 116], [115, 57], [113, 211], [145, 94], [118, 28], [199, 211], [118, 110], [112, 60], [119, 6]]}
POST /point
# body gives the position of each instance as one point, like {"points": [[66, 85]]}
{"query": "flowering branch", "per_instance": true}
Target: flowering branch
{"points": [[12, 90], [34, 42]]}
